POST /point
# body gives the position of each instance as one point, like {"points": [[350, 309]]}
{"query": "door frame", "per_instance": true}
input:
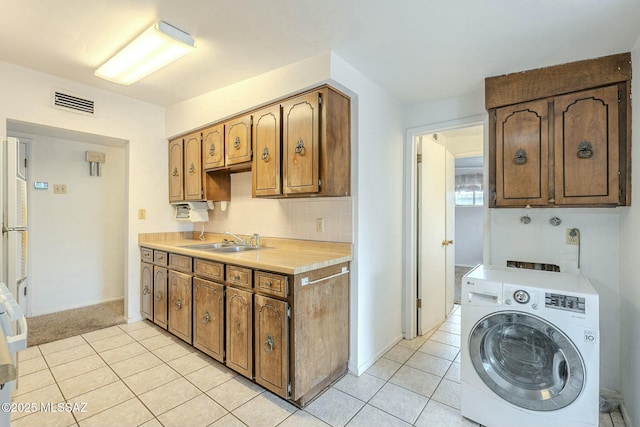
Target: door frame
{"points": [[410, 276]]}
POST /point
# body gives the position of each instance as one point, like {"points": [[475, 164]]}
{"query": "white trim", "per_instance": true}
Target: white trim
{"points": [[359, 370], [628, 422], [410, 220]]}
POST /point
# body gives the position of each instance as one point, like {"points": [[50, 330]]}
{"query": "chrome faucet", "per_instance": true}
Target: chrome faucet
{"points": [[254, 241], [239, 240]]}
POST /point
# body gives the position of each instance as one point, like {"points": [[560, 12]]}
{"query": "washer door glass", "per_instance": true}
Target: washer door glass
{"points": [[526, 360]]}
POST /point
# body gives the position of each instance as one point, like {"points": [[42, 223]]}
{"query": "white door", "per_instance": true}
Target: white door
{"points": [[450, 215], [435, 221]]}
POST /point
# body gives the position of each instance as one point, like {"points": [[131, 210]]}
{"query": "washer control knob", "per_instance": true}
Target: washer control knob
{"points": [[507, 301], [521, 297], [535, 306]]}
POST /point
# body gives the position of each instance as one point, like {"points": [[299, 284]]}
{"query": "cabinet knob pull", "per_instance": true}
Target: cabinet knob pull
{"points": [[175, 171], [159, 296], [239, 330], [265, 154], [236, 143], [268, 344], [585, 150], [212, 149], [179, 304], [192, 169], [299, 146], [206, 317], [521, 157], [237, 276], [145, 291], [267, 283]]}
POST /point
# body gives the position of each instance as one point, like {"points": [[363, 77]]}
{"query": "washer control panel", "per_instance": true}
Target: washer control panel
{"points": [[518, 296], [564, 302]]}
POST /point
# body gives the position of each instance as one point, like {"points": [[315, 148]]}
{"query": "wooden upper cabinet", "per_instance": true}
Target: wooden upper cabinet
{"points": [[213, 147], [300, 144], [561, 136], [176, 166], [238, 141], [522, 176], [587, 147], [193, 167], [266, 163]]}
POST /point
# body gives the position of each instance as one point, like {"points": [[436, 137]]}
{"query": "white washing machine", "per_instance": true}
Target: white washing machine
{"points": [[530, 351]]}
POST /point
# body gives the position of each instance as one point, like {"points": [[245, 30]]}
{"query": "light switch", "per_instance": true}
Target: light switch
{"points": [[320, 225]]}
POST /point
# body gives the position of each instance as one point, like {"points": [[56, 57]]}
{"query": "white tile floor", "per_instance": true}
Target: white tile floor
{"points": [[140, 375]]}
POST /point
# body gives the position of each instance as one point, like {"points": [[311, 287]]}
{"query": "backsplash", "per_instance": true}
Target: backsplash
{"points": [[286, 218]]}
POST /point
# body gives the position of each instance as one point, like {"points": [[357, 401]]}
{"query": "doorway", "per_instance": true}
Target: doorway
{"points": [[430, 242]]}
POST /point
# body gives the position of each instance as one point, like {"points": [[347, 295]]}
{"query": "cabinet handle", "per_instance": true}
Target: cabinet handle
{"points": [[206, 317], [236, 143], [268, 344], [239, 330], [299, 146], [178, 304], [145, 291], [267, 283], [237, 276], [585, 150], [159, 296], [265, 154], [192, 169], [175, 171], [212, 149], [521, 157]]}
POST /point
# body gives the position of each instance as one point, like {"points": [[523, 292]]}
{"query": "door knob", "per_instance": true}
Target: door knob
{"points": [[447, 242]]}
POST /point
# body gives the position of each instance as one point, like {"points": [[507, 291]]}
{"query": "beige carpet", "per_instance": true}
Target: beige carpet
{"points": [[68, 323]]}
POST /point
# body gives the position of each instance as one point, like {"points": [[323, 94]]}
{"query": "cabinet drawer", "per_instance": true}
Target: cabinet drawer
{"points": [[239, 276], [273, 284], [209, 269], [180, 262], [146, 254], [160, 258]]}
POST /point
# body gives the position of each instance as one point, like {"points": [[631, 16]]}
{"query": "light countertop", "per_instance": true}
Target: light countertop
{"points": [[288, 256]]}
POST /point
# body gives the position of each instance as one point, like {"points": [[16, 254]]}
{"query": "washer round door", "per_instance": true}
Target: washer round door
{"points": [[526, 360]]}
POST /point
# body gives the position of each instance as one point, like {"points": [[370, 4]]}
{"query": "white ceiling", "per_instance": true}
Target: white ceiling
{"points": [[418, 50]]}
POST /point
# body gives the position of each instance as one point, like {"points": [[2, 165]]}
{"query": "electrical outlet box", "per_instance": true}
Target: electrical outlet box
{"points": [[59, 188], [320, 225], [573, 236], [142, 214]]}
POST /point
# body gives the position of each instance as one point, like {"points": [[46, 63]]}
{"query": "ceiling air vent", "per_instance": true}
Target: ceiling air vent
{"points": [[68, 102]]}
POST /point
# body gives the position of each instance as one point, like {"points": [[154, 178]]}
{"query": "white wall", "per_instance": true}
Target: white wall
{"points": [[76, 255], [26, 98], [629, 278], [376, 208], [469, 230], [288, 218]]}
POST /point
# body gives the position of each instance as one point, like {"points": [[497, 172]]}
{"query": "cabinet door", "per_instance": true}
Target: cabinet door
{"points": [[300, 144], [272, 344], [192, 167], [239, 308], [146, 290], [238, 140], [266, 162], [586, 147], [176, 164], [208, 317], [180, 305], [522, 159], [160, 296], [213, 147]]}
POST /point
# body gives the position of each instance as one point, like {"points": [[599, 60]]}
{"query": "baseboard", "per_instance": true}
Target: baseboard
{"points": [[80, 306], [359, 370], [134, 319], [626, 415]]}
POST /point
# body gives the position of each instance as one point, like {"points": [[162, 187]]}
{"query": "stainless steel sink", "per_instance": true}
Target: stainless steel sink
{"points": [[221, 247]]}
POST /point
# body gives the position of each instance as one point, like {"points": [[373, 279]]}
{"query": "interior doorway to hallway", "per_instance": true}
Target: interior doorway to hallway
{"points": [[444, 218]]}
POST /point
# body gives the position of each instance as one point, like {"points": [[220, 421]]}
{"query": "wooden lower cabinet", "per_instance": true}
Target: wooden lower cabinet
{"points": [[239, 331], [208, 318], [272, 344], [180, 323], [160, 296], [146, 290]]}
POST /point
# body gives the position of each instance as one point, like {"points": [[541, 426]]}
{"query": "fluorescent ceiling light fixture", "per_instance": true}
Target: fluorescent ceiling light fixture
{"points": [[150, 51]]}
